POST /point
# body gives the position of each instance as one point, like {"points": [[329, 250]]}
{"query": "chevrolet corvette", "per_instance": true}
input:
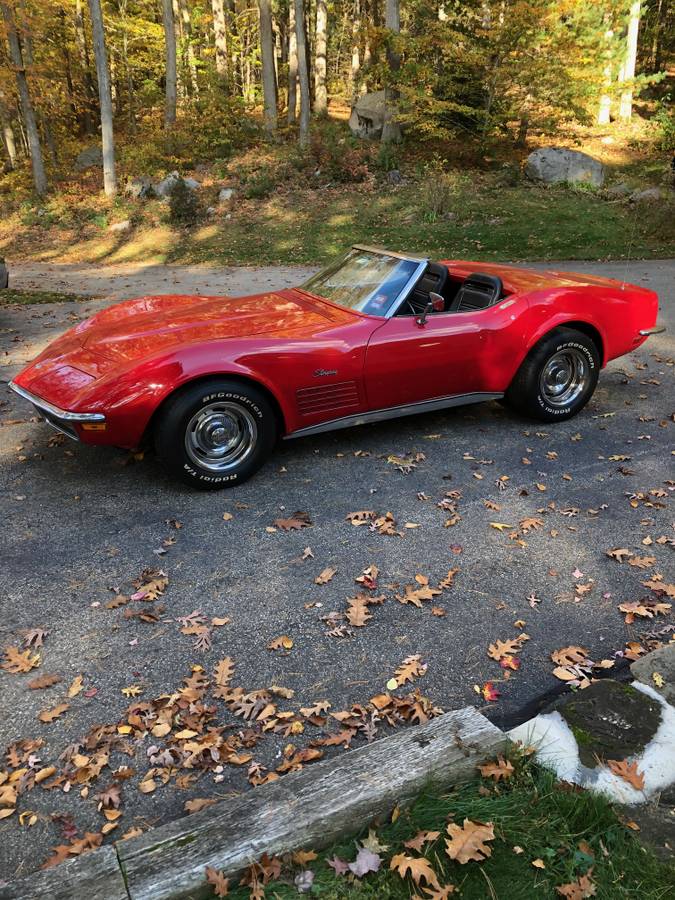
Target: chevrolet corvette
{"points": [[214, 382]]}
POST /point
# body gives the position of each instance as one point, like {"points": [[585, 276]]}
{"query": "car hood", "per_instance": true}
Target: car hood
{"points": [[151, 325]]}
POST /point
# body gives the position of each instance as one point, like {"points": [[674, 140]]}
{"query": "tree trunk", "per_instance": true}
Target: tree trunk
{"points": [[83, 50], [268, 69], [392, 22], [320, 91], [32, 134], [220, 37], [170, 63], [628, 68], [8, 139], [104, 97], [186, 30], [292, 65], [356, 49], [303, 73]]}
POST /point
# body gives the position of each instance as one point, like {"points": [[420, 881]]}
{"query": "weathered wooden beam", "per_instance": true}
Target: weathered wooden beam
{"points": [[93, 876], [309, 809]]}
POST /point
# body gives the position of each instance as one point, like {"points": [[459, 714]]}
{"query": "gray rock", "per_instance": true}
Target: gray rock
{"points": [[120, 227], [140, 188], [661, 661], [552, 165], [368, 114], [225, 195], [90, 156], [394, 177], [617, 191], [646, 196], [210, 211], [192, 183], [164, 187]]}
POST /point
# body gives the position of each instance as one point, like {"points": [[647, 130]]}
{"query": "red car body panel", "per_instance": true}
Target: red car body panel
{"points": [[319, 361]]}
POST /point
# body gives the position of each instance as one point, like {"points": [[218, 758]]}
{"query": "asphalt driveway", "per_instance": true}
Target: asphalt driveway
{"points": [[81, 524]]}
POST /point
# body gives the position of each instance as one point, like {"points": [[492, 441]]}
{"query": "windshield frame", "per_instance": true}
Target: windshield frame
{"points": [[394, 306]]}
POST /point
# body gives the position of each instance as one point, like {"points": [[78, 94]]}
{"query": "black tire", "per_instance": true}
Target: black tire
{"points": [[557, 377], [215, 434]]}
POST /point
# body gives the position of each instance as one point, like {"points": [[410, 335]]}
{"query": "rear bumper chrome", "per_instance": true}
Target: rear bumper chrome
{"points": [[657, 329], [61, 419]]}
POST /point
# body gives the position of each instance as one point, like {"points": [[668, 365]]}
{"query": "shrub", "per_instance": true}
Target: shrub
{"points": [[185, 207], [338, 156]]}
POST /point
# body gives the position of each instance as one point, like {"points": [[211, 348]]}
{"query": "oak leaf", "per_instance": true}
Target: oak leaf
{"points": [[642, 562], [420, 839], [223, 674], [193, 806], [498, 769], [627, 771], [447, 582], [619, 553], [569, 656], [468, 841], [43, 681], [48, 715], [411, 668], [295, 522], [580, 889], [283, 642], [75, 687], [418, 868], [325, 576], [18, 662], [357, 611], [218, 882]]}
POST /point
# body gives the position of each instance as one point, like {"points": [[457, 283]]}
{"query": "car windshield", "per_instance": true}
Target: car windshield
{"points": [[365, 280]]}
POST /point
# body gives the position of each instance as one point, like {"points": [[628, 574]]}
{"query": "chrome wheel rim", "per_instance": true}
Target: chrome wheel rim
{"points": [[564, 377], [220, 436]]}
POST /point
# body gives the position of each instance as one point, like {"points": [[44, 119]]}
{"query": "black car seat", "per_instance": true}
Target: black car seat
{"points": [[434, 278], [478, 291]]}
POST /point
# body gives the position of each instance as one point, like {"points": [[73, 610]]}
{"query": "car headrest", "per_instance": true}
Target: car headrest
{"points": [[478, 292]]}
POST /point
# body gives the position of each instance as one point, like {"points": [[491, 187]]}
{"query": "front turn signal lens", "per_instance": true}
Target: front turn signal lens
{"points": [[93, 426]]}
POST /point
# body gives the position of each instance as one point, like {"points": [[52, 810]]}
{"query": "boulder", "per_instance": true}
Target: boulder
{"points": [[192, 183], [226, 195], [90, 156], [120, 227], [617, 191], [649, 195], [139, 188], [552, 165], [663, 662], [368, 115]]}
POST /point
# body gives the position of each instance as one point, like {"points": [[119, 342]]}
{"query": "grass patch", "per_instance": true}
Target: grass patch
{"points": [[26, 298], [570, 831]]}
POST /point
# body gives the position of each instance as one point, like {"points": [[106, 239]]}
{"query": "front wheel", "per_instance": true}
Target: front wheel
{"points": [[216, 434], [557, 378]]}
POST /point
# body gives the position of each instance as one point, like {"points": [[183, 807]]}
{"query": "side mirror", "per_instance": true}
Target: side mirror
{"points": [[421, 319], [437, 301]]}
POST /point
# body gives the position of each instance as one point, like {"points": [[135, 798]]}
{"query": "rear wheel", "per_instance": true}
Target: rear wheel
{"points": [[216, 434], [557, 378]]}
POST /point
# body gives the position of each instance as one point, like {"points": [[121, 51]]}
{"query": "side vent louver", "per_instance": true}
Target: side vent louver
{"points": [[328, 398]]}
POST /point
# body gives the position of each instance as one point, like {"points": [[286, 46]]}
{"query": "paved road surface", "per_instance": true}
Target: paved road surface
{"points": [[80, 522]]}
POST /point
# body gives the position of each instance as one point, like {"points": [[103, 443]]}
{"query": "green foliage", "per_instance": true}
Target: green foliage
{"points": [[185, 207], [664, 120], [338, 156]]}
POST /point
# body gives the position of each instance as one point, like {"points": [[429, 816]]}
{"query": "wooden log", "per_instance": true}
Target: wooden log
{"points": [[93, 876], [309, 809]]}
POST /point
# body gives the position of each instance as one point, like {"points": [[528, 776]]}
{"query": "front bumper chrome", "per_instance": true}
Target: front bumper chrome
{"points": [[657, 329], [61, 419]]}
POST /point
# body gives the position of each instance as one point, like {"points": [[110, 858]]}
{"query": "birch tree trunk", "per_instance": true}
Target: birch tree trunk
{"points": [[268, 67], [628, 68], [170, 63], [320, 68], [220, 37], [188, 49], [30, 123], [104, 98], [392, 22], [292, 66], [605, 105], [356, 49], [8, 140], [303, 73], [83, 50]]}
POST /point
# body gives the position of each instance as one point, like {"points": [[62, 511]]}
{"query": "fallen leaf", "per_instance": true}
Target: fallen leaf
{"points": [[366, 861], [325, 576], [580, 889], [218, 882], [468, 841], [500, 769], [48, 715], [627, 771], [283, 642], [419, 869]]}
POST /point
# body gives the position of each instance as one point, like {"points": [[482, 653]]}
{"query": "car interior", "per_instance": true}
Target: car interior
{"points": [[477, 291]]}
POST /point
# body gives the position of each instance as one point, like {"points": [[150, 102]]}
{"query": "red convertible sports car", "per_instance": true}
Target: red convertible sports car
{"points": [[213, 382]]}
